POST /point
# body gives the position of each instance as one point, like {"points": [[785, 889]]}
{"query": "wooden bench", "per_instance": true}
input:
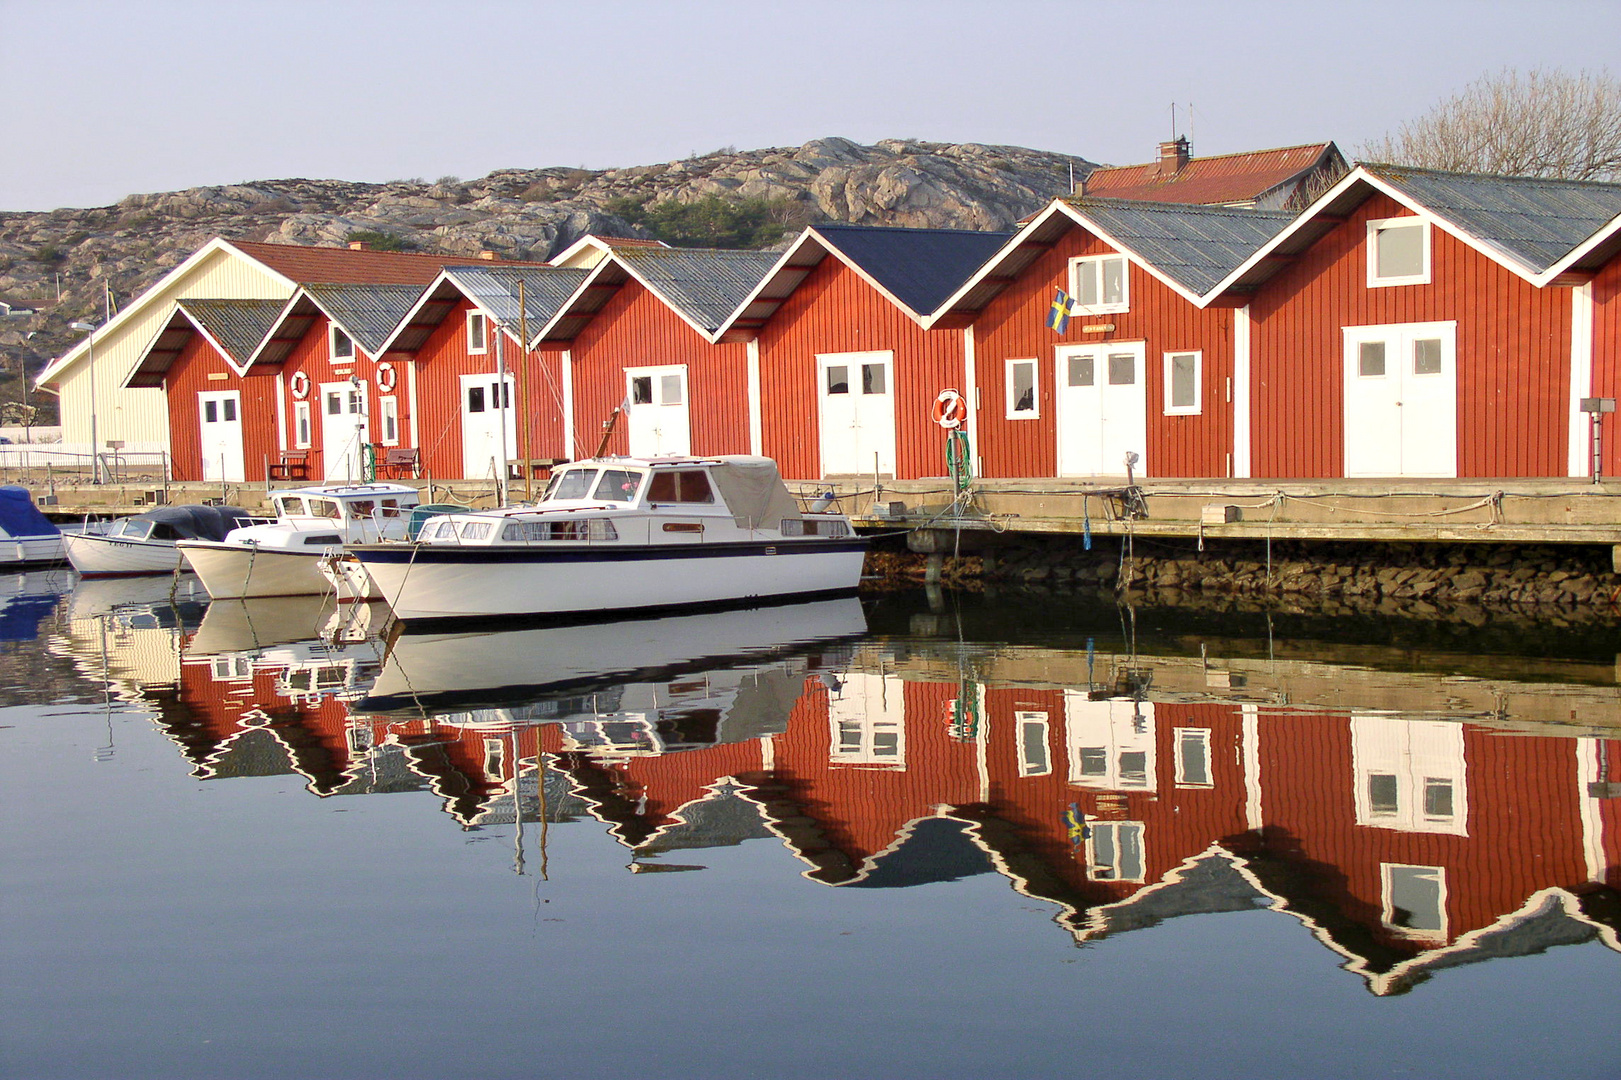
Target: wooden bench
{"points": [[293, 465], [398, 461]]}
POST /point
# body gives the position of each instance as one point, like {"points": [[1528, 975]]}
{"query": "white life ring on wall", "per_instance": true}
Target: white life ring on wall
{"points": [[299, 385], [950, 410], [387, 377]]}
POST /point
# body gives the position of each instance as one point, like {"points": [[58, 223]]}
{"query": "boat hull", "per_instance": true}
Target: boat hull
{"points": [[103, 556], [18, 552], [237, 571], [427, 582]]}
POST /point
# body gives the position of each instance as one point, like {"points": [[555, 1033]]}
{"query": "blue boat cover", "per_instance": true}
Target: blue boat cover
{"points": [[19, 516]]}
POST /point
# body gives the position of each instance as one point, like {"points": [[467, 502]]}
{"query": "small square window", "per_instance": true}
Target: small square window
{"points": [[475, 399], [1427, 356], [1398, 252], [343, 346], [229, 408], [1370, 360], [1099, 284], [1183, 383], [1122, 369], [334, 403], [1383, 797], [872, 379], [1082, 371], [670, 390], [641, 390], [838, 379], [211, 412], [478, 332], [1021, 390]]}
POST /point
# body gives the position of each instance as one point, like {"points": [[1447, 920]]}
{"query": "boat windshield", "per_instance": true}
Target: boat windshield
{"points": [[325, 508], [130, 529], [618, 485], [289, 506], [572, 484]]}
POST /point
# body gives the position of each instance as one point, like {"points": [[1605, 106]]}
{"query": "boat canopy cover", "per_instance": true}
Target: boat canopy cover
{"points": [[754, 491], [194, 522], [19, 516]]}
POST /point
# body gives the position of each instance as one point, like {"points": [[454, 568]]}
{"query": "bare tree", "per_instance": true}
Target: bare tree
{"points": [[1538, 123]]}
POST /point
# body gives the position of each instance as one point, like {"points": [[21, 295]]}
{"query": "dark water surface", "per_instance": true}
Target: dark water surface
{"points": [[1004, 837]]}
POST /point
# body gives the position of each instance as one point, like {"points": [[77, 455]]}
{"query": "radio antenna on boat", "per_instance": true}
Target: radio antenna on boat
{"points": [[524, 447]]}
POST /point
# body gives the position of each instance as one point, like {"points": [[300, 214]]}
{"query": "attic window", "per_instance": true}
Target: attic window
{"points": [[1398, 252], [478, 332], [1098, 284], [343, 346]]}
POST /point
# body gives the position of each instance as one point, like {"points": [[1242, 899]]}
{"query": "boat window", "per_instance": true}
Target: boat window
{"points": [[325, 508], [589, 529], [162, 531], [289, 507], [680, 486], [475, 530], [391, 508], [131, 529], [574, 484], [362, 508], [812, 527], [618, 485], [322, 539]]}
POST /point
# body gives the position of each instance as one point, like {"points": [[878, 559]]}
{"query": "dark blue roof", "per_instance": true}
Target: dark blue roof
{"points": [[20, 517], [919, 267]]}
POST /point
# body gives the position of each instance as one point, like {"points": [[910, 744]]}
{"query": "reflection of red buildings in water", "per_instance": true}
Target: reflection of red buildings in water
{"points": [[1405, 845]]}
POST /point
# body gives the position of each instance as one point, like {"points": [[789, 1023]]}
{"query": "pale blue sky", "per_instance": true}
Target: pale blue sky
{"points": [[103, 99]]}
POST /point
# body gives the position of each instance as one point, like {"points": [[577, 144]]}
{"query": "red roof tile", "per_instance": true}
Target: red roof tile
{"points": [[1223, 178], [329, 265]]}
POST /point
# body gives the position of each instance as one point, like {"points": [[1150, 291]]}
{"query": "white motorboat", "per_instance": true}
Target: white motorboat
{"points": [[623, 534], [27, 537], [145, 543], [283, 558]]}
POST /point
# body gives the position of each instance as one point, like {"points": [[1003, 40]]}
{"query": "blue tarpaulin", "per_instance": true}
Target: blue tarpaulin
{"points": [[19, 516]]}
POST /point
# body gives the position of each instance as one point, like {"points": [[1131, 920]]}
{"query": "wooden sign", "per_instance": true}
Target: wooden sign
{"points": [[1097, 328]]}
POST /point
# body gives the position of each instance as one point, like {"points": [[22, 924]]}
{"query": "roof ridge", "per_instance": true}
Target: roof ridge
{"points": [[855, 227], [1376, 166], [1217, 157], [1178, 207]]}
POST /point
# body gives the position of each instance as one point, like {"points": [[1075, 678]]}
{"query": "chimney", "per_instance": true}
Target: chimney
{"points": [[488, 256], [1173, 155], [359, 245]]}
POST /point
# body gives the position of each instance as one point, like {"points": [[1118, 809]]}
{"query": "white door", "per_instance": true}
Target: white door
{"points": [[1401, 400], [857, 413], [485, 410], [1110, 743], [344, 430], [221, 415], [657, 422], [1102, 409]]}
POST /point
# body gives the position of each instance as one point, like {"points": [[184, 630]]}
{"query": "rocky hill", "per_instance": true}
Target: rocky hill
{"points": [[59, 263]]}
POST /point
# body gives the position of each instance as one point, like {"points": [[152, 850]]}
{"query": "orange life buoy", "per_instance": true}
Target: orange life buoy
{"points": [[300, 385], [387, 377], [950, 409]]}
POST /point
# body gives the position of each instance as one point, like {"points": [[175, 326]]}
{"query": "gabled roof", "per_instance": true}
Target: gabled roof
{"points": [[1223, 178], [702, 285], [494, 290], [915, 269], [1536, 228], [367, 313], [590, 249], [233, 327], [1189, 248]]}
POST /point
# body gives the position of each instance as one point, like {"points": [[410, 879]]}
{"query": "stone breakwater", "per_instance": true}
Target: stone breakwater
{"points": [[1549, 581]]}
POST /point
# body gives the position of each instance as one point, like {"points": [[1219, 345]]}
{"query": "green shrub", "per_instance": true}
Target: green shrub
{"points": [[48, 253], [712, 221], [380, 241]]}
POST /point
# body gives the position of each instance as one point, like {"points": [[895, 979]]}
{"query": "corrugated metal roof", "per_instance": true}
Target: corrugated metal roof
{"points": [[919, 267], [1534, 221], [369, 313], [495, 288], [1195, 246], [1223, 178], [704, 284], [305, 264], [237, 325]]}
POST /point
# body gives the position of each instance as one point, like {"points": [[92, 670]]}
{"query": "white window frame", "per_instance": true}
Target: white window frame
{"points": [[303, 427], [1029, 721], [1112, 871], [1034, 411], [335, 333], [1387, 901], [1198, 384], [388, 416], [1201, 735], [1094, 265], [1378, 225], [478, 344]]}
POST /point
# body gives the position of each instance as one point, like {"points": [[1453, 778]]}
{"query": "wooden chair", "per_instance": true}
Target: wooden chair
{"points": [[293, 465]]}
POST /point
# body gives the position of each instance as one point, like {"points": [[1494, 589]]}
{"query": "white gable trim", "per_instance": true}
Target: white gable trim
{"points": [[1013, 243]]}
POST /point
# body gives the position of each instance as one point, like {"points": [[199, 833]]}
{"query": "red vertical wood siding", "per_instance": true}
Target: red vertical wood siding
{"points": [[186, 378], [1014, 327], [637, 329], [835, 310], [1607, 352], [1513, 354], [312, 355]]}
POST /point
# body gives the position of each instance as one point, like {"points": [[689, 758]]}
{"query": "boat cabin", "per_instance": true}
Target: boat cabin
{"points": [[349, 502]]}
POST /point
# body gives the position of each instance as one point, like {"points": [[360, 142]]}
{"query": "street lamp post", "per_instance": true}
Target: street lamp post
{"points": [[95, 447]]}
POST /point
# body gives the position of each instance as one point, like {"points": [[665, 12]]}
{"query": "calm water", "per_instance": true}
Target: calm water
{"points": [[998, 838]]}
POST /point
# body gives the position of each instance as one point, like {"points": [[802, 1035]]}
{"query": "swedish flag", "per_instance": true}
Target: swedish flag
{"points": [[1058, 316]]}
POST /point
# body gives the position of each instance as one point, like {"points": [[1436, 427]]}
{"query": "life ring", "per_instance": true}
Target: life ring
{"points": [[299, 384], [950, 409], [387, 377]]}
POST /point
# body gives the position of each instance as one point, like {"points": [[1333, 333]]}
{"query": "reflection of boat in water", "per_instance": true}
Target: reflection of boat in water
{"points": [[25, 599], [142, 599], [450, 671], [297, 635]]}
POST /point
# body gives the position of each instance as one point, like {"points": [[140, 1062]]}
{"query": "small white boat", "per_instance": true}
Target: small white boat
{"points": [[623, 534], [27, 537], [284, 558], [145, 543]]}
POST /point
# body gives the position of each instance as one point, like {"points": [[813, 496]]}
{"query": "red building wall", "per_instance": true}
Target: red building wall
{"points": [[311, 354], [1606, 290], [187, 377], [835, 311], [1014, 327], [637, 329], [1513, 354]]}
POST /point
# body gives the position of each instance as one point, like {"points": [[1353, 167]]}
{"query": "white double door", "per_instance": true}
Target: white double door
{"points": [[1401, 400], [1102, 406], [657, 421], [220, 416], [487, 413], [856, 406], [345, 430]]}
